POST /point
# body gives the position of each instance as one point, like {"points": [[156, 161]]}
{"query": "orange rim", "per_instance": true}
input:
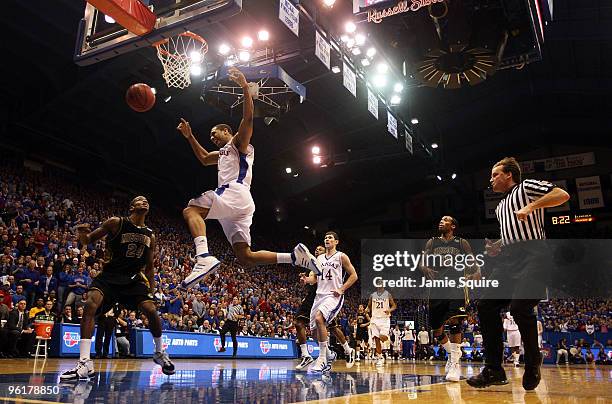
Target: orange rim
{"points": [[189, 34]]}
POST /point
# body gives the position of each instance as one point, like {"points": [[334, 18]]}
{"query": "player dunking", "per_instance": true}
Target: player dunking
{"points": [[448, 306], [231, 203], [130, 245], [303, 319], [330, 294], [381, 305]]}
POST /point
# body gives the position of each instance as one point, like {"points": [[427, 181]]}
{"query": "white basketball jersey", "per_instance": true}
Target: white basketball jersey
{"points": [[234, 166], [380, 303], [509, 324], [332, 276]]}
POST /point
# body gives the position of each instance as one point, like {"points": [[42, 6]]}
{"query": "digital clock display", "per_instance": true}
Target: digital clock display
{"points": [[567, 219]]}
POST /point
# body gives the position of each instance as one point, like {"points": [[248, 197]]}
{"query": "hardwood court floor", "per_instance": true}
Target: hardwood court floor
{"points": [[139, 381]]}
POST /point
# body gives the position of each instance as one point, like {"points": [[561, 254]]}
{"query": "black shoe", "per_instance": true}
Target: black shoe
{"points": [[532, 376], [234, 355], [488, 377], [222, 349]]}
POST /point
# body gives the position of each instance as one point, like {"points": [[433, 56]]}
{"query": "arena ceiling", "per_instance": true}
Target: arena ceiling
{"points": [[77, 116]]}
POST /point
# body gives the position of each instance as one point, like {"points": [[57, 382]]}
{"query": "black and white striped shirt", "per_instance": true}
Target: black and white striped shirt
{"points": [[512, 229], [233, 310]]}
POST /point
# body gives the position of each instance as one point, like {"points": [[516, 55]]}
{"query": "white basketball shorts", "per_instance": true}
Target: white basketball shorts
{"points": [[514, 339], [328, 305], [232, 205], [380, 327]]}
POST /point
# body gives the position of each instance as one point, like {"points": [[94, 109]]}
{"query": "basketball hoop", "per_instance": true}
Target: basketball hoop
{"points": [[178, 54]]}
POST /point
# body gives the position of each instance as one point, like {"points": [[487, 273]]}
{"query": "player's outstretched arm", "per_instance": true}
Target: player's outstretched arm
{"points": [[205, 157], [110, 226], [245, 131]]}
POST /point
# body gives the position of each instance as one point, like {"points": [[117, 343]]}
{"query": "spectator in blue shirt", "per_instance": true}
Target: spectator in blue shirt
{"points": [[63, 282], [30, 282], [175, 302], [18, 296], [79, 283]]}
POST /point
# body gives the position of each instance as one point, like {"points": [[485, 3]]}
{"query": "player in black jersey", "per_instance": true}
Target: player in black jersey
{"points": [[361, 335], [303, 323], [129, 251], [447, 306]]}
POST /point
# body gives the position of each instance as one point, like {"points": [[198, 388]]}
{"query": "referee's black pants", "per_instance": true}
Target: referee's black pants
{"points": [[493, 332], [522, 270], [232, 327]]}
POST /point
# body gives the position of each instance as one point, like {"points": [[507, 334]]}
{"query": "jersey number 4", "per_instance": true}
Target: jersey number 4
{"points": [[329, 276], [134, 250]]}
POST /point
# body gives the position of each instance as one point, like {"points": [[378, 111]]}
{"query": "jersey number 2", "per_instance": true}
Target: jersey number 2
{"points": [[134, 250], [379, 305]]}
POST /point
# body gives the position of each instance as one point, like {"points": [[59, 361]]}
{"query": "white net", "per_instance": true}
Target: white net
{"points": [[179, 55]]}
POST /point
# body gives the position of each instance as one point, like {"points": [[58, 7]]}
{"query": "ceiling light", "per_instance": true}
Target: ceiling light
{"points": [[396, 99], [263, 35], [168, 98], [360, 39], [356, 51], [434, 146], [109, 19], [224, 49], [329, 3], [196, 70], [316, 159], [350, 43], [316, 150], [379, 81], [247, 42], [350, 27], [295, 175], [335, 69], [439, 178], [414, 121], [344, 38], [371, 52], [195, 56], [244, 56], [454, 176], [288, 170], [365, 62], [382, 68], [398, 87]]}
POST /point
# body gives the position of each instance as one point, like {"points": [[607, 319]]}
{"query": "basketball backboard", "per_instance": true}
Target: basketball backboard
{"points": [[100, 38]]}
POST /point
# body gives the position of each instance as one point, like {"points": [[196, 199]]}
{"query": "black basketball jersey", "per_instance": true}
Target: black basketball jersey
{"points": [[442, 249], [127, 250], [361, 319]]}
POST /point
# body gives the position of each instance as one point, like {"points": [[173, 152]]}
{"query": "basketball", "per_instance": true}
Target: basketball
{"points": [[140, 97]]}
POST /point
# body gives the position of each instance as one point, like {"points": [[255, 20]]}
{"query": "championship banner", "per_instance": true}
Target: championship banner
{"points": [[391, 124], [409, 142], [373, 103], [589, 192], [323, 50], [290, 16], [558, 163], [566, 206], [349, 79]]}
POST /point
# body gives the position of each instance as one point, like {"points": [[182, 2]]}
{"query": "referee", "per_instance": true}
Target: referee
{"points": [[234, 314], [521, 218]]}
